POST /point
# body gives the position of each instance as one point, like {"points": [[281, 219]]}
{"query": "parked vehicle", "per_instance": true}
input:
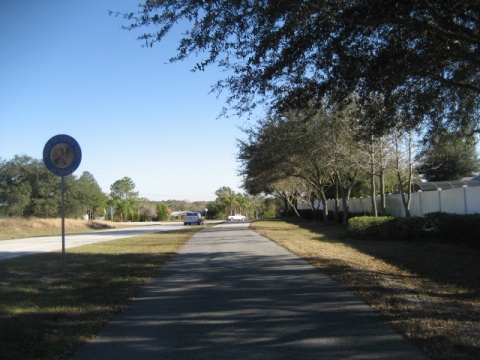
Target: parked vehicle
{"points": [[236, 217], [193, 218]]}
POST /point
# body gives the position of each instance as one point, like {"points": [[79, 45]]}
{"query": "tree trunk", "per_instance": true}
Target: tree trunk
{"points": [[292, 200], [405, 200], [372, 193], [337, 202], [372, 178], [312, 200], [325, 207], [383, 202]]}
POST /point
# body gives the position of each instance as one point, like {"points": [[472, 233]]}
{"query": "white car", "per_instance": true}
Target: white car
{"points": [[236, 217], [193, 218]]}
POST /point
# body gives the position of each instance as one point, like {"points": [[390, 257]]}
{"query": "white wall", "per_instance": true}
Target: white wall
{"points": [[455, 201]]}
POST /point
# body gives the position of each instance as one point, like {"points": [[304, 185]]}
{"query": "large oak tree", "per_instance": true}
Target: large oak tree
{"points": [[422, 55]]}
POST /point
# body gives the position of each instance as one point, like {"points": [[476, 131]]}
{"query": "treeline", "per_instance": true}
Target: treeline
{"points": [[229, 202], [313, 155], [28, 189]]}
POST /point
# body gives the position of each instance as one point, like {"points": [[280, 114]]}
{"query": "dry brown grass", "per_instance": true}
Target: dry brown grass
{"points": [[18, 227], [428, 292], [45, 315]]}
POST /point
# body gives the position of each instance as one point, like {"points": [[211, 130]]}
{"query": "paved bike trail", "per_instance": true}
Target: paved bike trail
{"points": [[233, 294]]}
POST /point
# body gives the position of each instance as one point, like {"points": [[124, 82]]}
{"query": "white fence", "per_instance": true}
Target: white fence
{"points": [[456, 201]]}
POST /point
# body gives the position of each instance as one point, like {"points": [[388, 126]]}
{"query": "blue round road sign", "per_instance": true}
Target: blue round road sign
{"points": [[62, 155]]}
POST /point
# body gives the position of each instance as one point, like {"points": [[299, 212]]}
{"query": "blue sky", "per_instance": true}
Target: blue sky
{"points": [[66, 67]]}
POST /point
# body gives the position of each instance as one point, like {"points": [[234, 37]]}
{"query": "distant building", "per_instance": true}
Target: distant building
{"points": [[444, 185]]}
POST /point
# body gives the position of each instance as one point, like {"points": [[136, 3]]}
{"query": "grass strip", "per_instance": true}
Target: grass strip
{"points": [[45, 315], [428, 292], [18, 227]]}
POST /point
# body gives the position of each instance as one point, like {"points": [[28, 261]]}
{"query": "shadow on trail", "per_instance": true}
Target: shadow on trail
{"points": [[222, 300]]}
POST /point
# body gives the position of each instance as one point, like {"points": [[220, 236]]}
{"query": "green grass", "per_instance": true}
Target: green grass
{"points": [[46, 315], [429, 292]]}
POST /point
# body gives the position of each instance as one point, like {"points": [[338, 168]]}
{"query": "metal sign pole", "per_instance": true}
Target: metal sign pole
{"points": [[62, 156], [63, 226]]}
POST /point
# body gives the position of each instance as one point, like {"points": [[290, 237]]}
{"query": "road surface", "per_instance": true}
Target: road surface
{"points": [[233, 294], [28, 246]]}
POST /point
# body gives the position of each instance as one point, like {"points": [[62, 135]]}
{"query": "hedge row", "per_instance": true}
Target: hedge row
{"points": [[307, 214], [441, 227]]}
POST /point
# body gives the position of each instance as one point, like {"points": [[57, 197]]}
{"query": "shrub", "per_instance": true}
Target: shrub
{"points": [[411, 229], [307, 214], [446, 228], [456, 228], [387, 227], [366, 226]]}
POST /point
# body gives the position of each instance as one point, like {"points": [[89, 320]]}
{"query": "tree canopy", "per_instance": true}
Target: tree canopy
{"points": [[124, 198], [447, 159], [162, 211], [123, 189], [230, 202], [422, 56], [27, 188]]}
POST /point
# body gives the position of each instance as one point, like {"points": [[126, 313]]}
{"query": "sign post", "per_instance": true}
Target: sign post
{"points": [[62, 156]]}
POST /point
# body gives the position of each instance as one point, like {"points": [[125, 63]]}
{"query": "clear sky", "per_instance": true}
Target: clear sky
{"points": [[66, 67]]}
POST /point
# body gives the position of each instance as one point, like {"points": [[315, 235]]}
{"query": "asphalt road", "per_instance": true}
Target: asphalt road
{"points": [[232, 294], [28, 246]]}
